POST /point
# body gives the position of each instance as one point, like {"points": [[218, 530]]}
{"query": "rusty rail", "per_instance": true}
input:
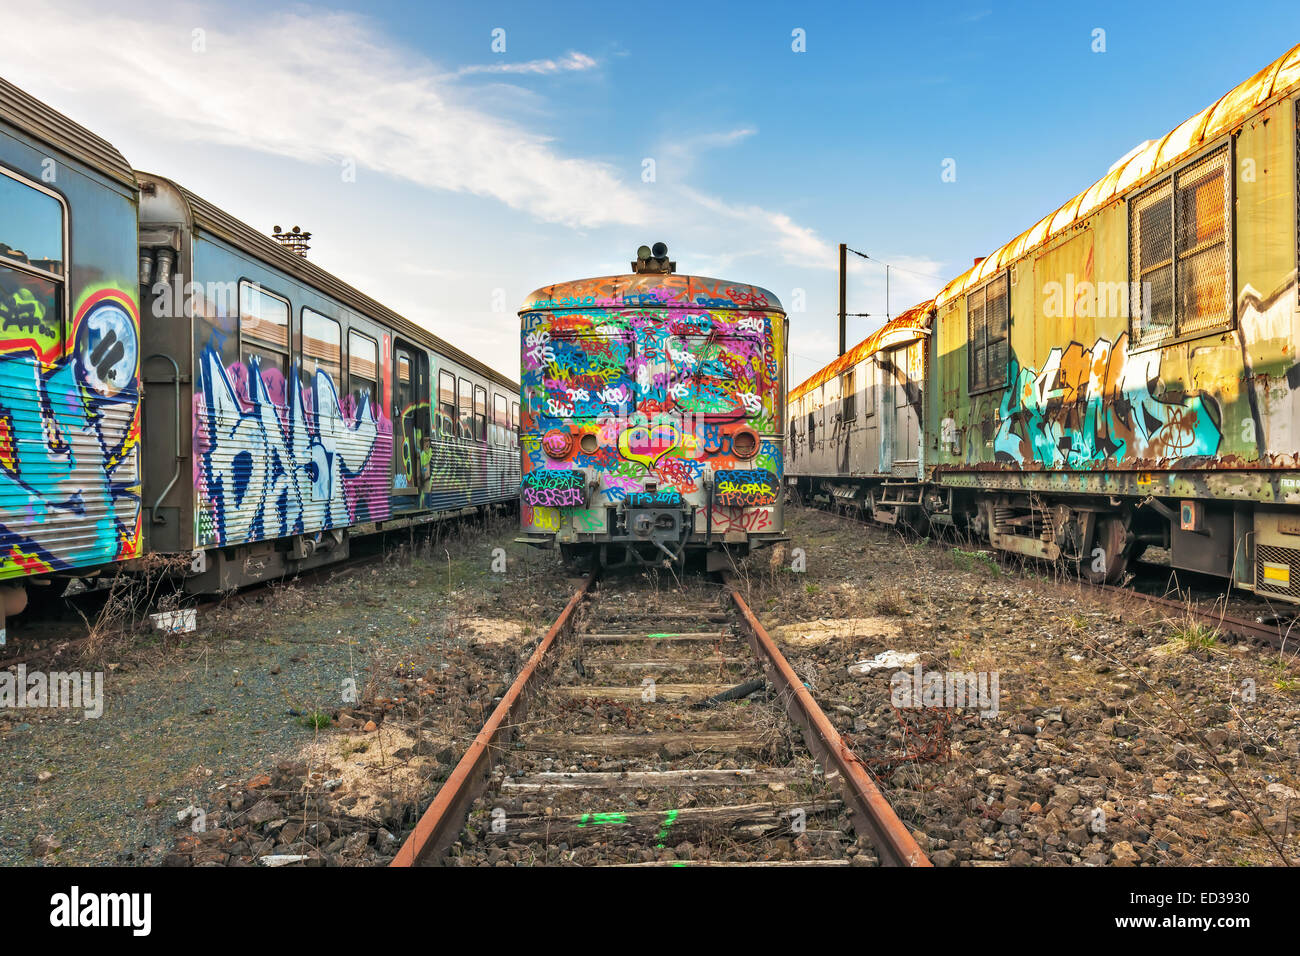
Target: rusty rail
{"points": [[873, 816], [438, 828]]}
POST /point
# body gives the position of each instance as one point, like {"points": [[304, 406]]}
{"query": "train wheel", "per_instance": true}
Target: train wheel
{"points": [[1110, 552]]}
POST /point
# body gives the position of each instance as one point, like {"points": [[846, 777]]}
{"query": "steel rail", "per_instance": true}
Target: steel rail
{"points": [[439, 826], [873, 817]]}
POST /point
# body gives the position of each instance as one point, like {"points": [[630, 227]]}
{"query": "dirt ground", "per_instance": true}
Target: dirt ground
{"points": [[348, 694], [310, 722], [1118, 734]]}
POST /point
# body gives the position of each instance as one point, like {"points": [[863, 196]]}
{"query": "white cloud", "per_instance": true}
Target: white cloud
{"points": [[569, 63], [319, 87]]}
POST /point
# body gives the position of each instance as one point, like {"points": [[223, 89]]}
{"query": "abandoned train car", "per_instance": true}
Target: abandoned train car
{"points": [[652, 415], [1123, 374], [69, 353], [288, 412]]}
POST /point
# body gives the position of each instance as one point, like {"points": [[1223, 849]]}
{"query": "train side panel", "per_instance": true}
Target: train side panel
{"points": [[69, 357]]}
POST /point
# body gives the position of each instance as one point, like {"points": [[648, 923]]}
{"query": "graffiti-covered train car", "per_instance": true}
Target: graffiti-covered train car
{"points": [[856, 425], [288, 412], [69, 352], [652, 415], [1123, 374]]}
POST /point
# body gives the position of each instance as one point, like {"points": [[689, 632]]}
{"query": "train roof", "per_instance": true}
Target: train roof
{"points": [[23, 111], [902, 329], [1140, 167], [653, 290], [220, 223]]}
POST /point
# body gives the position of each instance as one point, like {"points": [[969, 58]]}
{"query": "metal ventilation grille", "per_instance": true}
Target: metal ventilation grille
{"points": [[1277, 570], [1201, 220], [1151, 242]]}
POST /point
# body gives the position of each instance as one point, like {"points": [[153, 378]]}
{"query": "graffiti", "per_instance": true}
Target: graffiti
{"points": [[553, 489], [736, 488], [69, 434], [1088, 406], [667, 498], [279, 459], [751, 520], [664, 375]]}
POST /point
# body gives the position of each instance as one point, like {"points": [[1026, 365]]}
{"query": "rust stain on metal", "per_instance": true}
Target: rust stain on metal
{"points": [[873, 815], [903, 328], [438, 827]]}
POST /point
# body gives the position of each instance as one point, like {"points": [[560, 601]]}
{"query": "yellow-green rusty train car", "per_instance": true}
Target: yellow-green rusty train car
{"points": [[1124, 373]]}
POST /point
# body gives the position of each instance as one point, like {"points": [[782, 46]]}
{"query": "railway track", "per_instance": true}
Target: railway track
{"points": [[652, 728]]}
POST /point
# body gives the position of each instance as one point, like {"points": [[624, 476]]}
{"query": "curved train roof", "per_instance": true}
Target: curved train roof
{"points": [[902, 329], [1280, 77], [22, 110], [654, 290], [221, 224], [1139, 168]]}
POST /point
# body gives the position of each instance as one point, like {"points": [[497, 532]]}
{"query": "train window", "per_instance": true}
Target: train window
{"points": [[1178, 239], [466, 404], [987, 335], [848, 397], [714, 374], [501, 414], [322, 345], [263, 328], [405, 388], [31, 308], [363, 370], [480, 413], [447, 404], [31, 232], [514, 416]]}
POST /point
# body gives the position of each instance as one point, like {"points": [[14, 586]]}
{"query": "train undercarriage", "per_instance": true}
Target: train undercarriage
{"points": [[1253, 545]]}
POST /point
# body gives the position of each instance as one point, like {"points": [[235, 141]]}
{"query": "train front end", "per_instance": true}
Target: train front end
{"points": [[651, 417]]}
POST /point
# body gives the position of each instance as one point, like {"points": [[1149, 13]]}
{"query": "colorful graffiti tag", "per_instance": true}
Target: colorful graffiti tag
{"points": [[277, 458], [553, 489], [1087, 406], [69, 432]]}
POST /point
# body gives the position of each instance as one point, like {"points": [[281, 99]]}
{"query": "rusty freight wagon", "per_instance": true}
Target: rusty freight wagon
{"points": [[652, 415]]}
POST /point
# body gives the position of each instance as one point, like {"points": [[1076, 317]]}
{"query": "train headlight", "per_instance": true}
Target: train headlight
{"points": [[744, 444], [557, 444]]}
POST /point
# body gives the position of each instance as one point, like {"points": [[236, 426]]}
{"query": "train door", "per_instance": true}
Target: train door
{"points": [[905, 377], [411, 420]]}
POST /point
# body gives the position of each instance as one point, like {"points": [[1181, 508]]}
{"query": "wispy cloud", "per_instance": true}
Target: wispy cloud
{"points": [[571, 62], [328, 88], [320, 88]]}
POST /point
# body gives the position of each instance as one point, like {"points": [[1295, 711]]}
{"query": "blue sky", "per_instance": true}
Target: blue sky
{"points": [[481, 175]]}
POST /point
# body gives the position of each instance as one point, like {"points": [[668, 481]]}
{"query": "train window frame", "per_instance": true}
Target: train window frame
{"points": [[65, 238], [480, 418], [447, 417], [303, 313], [514, 417], [263, 345], [465, 408], [974, 385], [502, 419], [63, 293], [375, 397], [1171, 181], [849, 395], [870, 384]]}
